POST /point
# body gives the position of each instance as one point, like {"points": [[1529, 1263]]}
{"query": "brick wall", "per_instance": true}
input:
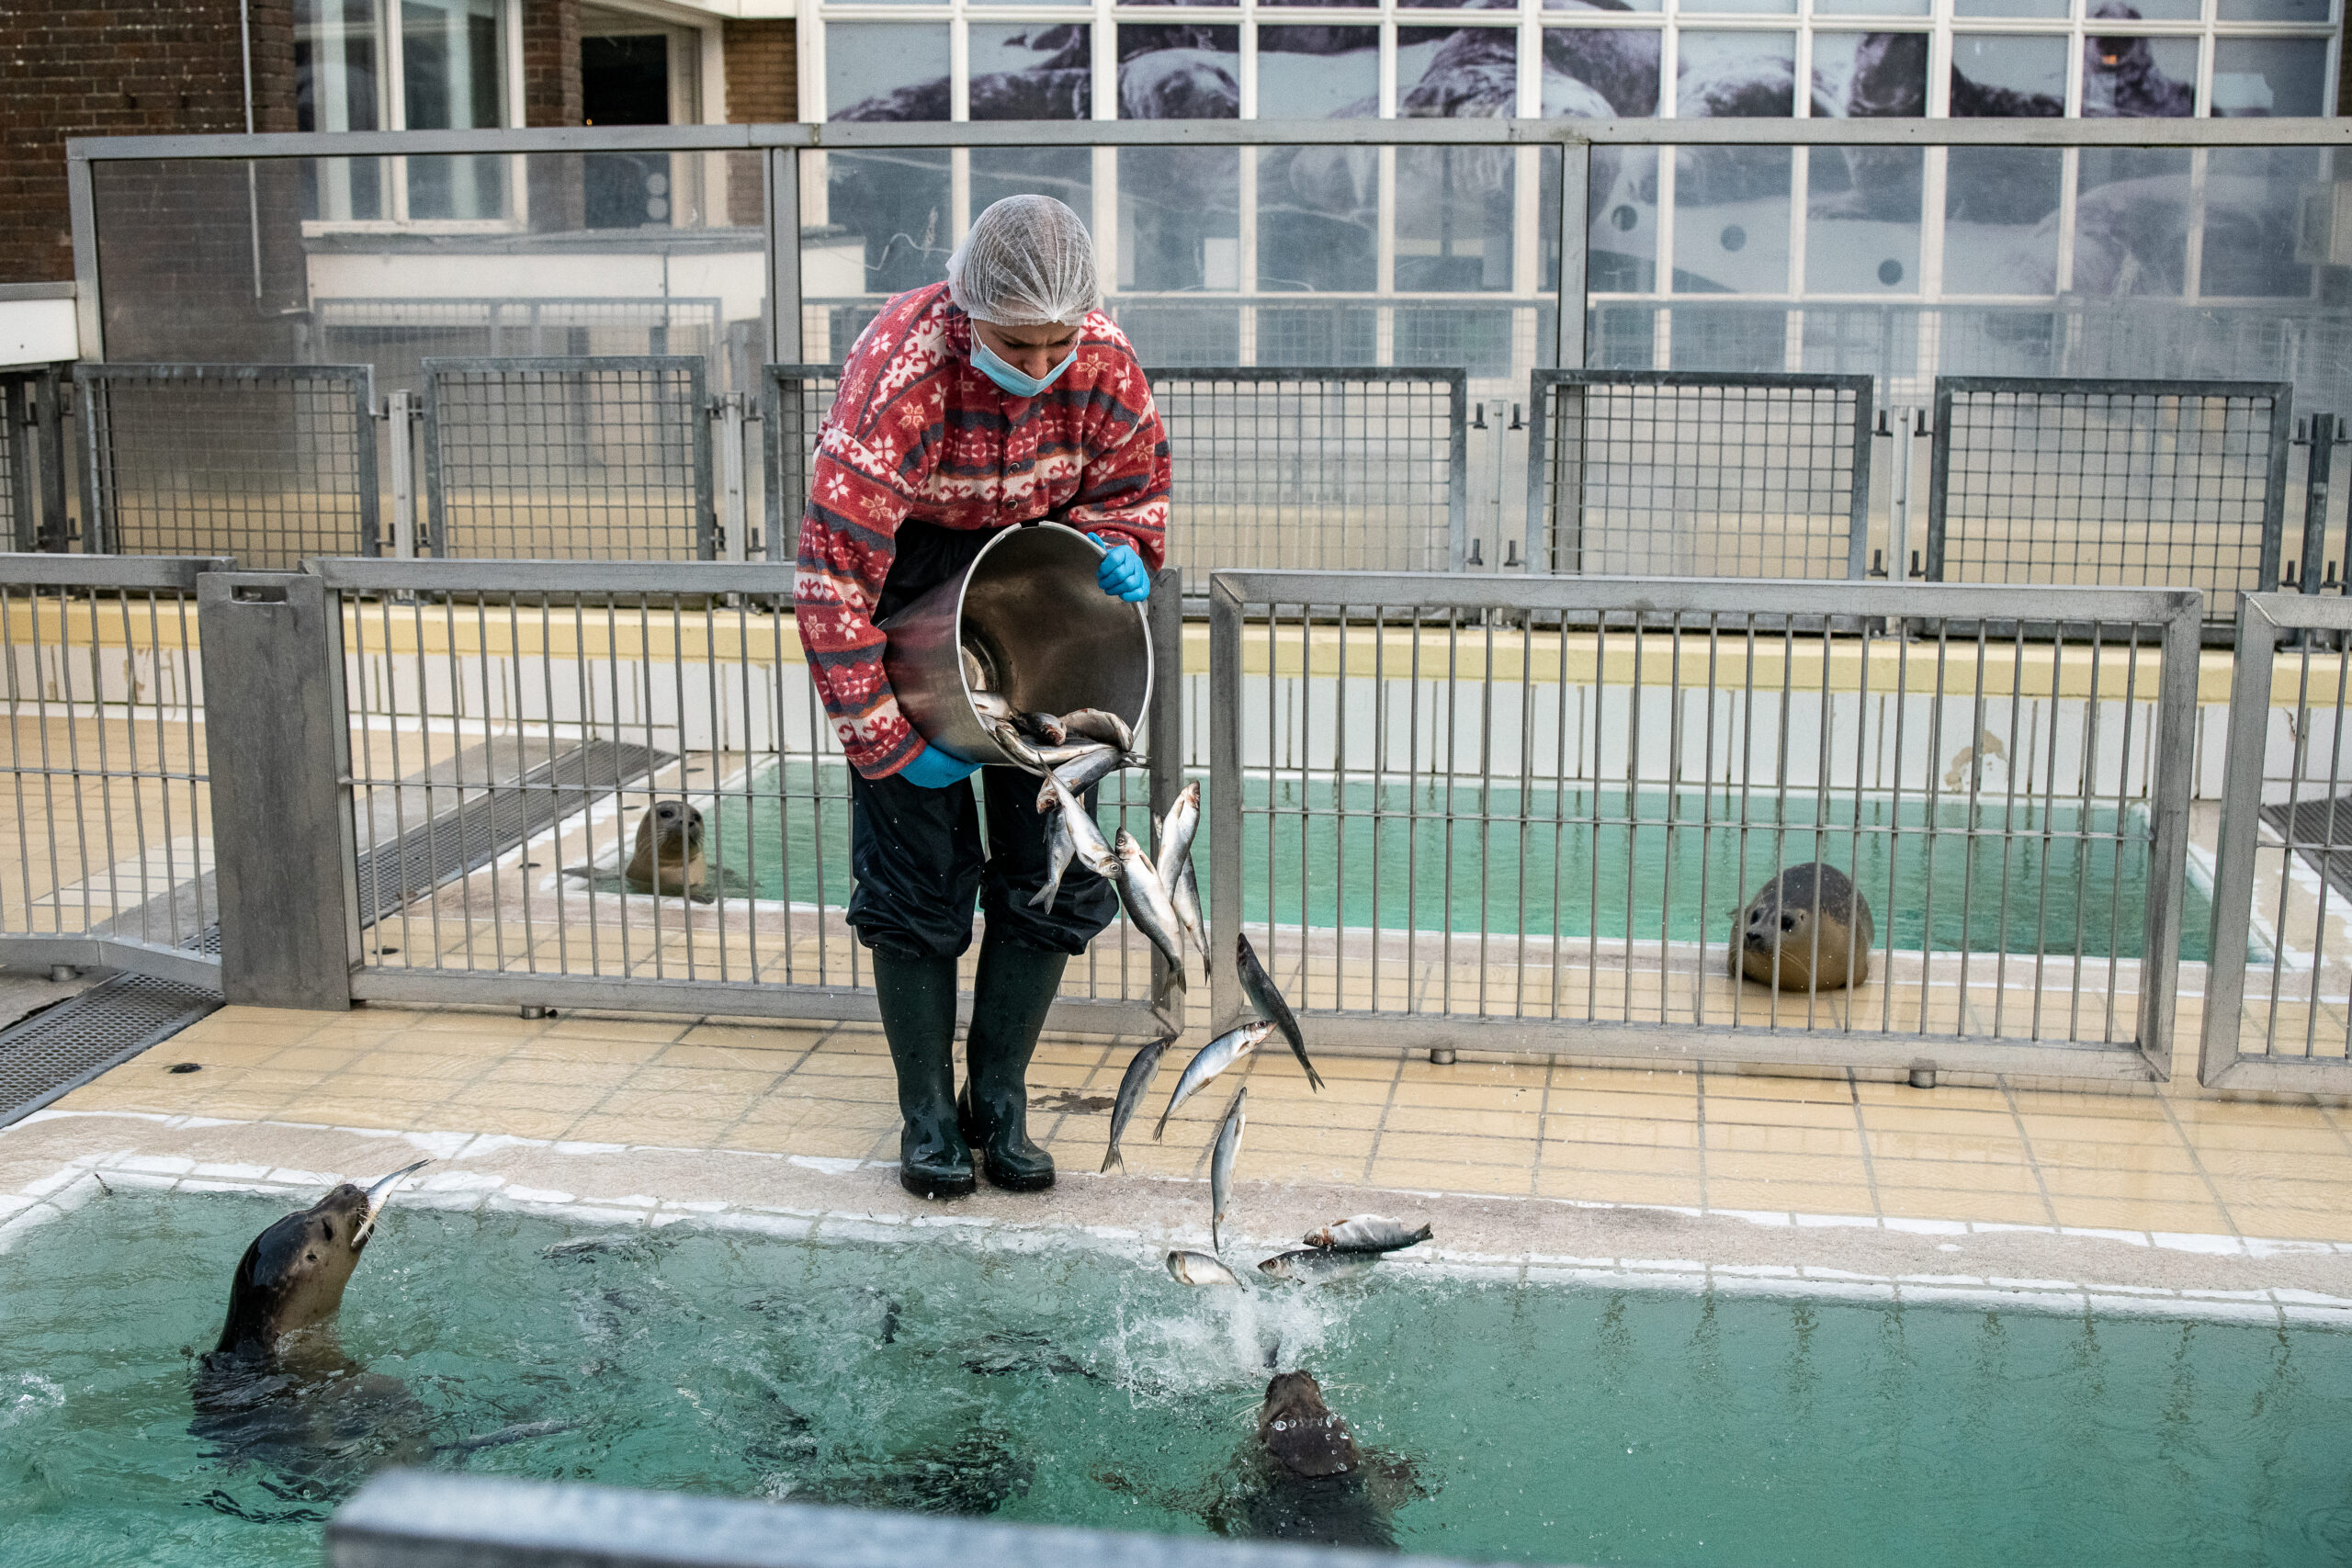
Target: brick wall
{"points": [[763, 73], [134, 67], [552, 62]]}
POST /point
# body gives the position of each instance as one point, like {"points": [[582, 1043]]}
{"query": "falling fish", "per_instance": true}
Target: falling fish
{"points": [[1366, 1232], [1085, 834], [1010, 740], [1259, 986], [1311, 1267], [1132, 1088], [1212, 1059], [520, 1432], [1090, 767], [1229, 1145], [1059, 757], [1101, 724], [1149, 906], [1059, 853], [1199, 1269]]}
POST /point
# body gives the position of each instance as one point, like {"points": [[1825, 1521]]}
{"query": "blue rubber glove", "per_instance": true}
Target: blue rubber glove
{"points": [[935, 769], [1122, 574]]}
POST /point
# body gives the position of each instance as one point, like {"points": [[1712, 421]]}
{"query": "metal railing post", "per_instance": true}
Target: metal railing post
{"points": [[782, 190], [1164, 723], [281, 807], [2249, 736], [2175, 765], [1225, 1000], [2317, 472], [734, 519], [400, 412], [1576, 203]]}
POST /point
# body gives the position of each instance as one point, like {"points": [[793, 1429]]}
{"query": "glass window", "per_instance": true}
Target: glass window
{"points": [[1622, 211], [890, 212], [1040, 72], [2274, 10], [2269, 76], [1319, 208], [1731, 219], [1863, 206], [1728, 76], [1587, 7], [2000, 236], [1872, 75], [1591, 73], [1318, 73], [888, 71], [1456, 72], [453, 75], [1870, 7], [2054, 10], [2129, 78], [1180, 219], [1453, 218], [1065, 174], [1998, 76], [1179, 71], [335, 65], [2252, 195], [2131, 215]]}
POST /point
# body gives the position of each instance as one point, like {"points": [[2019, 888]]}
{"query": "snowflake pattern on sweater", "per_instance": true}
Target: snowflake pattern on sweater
{"points": [[916, 432]]}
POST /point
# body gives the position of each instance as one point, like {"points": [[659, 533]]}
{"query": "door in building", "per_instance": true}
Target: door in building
{"points": [[630, 77]]}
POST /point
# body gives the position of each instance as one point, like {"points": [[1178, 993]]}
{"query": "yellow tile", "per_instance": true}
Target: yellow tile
{"points": [[572, 1100], [1810, 1141], [1955, 1176], [290, 1058], [1619, 1187], [1469, 1123], [559, 1048], [1442, 1177], [1930, 1120], [1641, 1107], [669, 1133], [1727, 1111], [1622, 1130], [2073, 1181], [658, 1080], [521, 1069], [1928, 1145], [2084, 1154], [2292, 1224], [1732, 1166], [1301, 1113], [416, 1064], [1942, 1203], [2098, 1129], [1615, 1080], [2125, 1214], [1441, 1148], [1797, 1197], [1562, 1155], [2277, 1137], [779, 1058], [1785, 1090], [1954, 1098]]}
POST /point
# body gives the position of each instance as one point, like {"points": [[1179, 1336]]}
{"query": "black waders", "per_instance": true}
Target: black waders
{"points": [[918, 999]]}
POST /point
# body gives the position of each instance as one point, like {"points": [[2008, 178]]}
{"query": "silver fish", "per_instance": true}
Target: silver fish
{"points": [[1059, 853], [1212, 1059], [1185, 894], [1199, 1269], [1229, 1145], [1085, 834], [992, 707], [1101, 724], [1149, 906], [1259, 986], [1097, 762], [1011, 741], [975, 677], [380, 1194], [520, 1432], [1058, 757], [1044, 726], [1176, 834], [1313, 1267], [1132, 1088], [1366, 1232]]}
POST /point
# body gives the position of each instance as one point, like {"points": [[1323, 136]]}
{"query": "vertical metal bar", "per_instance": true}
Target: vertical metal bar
{"points": [[2316, 473], [2168, 848], [734, 522], [400, 415], [1164, 626], [1939, 479], [2274, 498], [1576, 201], [781, 193], [1858, 535], [82, 212], [281, 811], [1539, 524], [1457, 475], [1226, 1001]]}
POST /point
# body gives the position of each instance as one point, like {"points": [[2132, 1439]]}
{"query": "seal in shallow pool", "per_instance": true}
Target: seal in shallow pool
{"points": [[1311, 1482], [668, 857], [1806, 929]]}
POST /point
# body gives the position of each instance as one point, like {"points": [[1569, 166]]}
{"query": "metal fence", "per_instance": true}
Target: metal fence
{"points": [[565, 457], [1677, 473], [1329, 468], [33, 467], [397, 335], [267, 463], [793, 401], [2277, 1008], [503, 757], [108, 794], [1528, 814], [2060, 480]]}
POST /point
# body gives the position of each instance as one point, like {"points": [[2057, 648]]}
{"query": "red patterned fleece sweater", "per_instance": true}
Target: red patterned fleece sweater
{"points": [[916, 432]]}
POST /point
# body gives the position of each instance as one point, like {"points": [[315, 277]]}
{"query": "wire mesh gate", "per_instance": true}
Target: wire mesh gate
{"points": [[1325, 467], [32, 461], [2277, 1011], [107, 794], [512, 724], [568, 458], [1528, 813], [267, 463], [1681, 473], [2060, 480]]}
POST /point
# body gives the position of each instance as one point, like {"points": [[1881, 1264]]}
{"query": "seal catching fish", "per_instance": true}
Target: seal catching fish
{"points": [[1808, 929]]}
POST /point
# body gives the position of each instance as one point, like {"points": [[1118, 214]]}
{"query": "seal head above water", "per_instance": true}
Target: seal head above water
{"points": [[1807, 929], [668, 857], [293, 1274]]}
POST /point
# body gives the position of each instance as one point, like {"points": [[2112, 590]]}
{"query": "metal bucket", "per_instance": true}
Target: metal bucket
{"points": [[1046, 634]]}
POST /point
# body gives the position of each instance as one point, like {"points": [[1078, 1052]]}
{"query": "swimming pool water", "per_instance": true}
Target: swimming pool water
{"points": [[1605, 863], [1072, 1384]]}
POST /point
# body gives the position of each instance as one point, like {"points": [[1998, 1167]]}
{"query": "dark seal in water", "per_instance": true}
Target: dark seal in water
{"points": [[1311, 1482], [1807, 929]]}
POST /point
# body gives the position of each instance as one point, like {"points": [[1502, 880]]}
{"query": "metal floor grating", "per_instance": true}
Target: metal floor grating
{"points": [[61, 1048], [499, 816], [2320, 831]]}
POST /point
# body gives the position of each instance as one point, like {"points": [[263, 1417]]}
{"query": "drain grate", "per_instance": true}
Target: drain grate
{"points": [[63, 1047], [505, 814], [2320, 832]]}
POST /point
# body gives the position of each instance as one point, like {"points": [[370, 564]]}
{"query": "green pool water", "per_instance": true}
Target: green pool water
{"points": [[1073, 1384], [1606, 863]]}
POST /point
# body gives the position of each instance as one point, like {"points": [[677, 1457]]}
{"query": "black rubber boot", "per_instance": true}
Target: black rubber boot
{"points": [[1016, 986], [918, 998]]}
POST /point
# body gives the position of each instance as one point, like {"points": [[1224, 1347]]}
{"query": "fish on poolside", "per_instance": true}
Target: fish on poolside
{"points": [[1188, 1268], [1149, 905], [1133, 1086], [1260, 988], [278, 1390], [1089, 767], [1212, 1059], [1367, 1233], [1317, 1266], [1228, 1149], [1059, 853], [1100, 723]]}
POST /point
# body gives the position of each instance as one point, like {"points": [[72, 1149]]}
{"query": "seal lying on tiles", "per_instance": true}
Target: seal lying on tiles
{"points": [[1807, 929]]}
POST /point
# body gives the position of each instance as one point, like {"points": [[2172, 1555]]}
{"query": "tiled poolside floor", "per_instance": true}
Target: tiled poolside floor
{"points": [[2146, 1160]]}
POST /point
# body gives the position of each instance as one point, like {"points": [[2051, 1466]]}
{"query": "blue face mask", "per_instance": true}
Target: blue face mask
{"points": [[991, 364]]}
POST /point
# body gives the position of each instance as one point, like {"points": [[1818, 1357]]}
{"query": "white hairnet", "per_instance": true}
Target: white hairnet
{"points": [[1028, 260]]}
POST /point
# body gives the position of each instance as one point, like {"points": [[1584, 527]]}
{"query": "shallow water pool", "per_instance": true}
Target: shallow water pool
{"points": [[1067, 1383]]}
